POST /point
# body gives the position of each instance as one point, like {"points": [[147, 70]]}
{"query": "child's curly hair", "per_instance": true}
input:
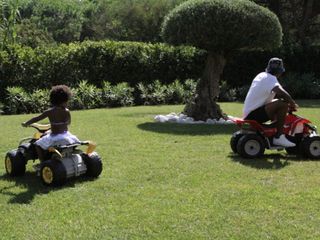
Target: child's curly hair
{"points": [[60, 94]]}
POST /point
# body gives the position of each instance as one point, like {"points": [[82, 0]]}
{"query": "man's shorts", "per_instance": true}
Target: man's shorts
{"points": [[260, 115]]}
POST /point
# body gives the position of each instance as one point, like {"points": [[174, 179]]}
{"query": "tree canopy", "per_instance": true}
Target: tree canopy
{"points": [[222, 26], [61, 21]]}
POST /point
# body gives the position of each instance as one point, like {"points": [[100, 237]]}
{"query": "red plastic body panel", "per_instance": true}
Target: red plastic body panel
{"points": [[290, 125]]}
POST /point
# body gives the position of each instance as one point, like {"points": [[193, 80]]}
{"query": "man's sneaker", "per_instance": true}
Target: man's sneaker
{"points": [[283, 141]]}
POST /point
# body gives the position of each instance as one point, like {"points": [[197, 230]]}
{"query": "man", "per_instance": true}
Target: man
{"points": [[261, 105]]}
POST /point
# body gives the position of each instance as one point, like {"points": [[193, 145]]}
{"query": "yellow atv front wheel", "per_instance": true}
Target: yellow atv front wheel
{"points": [[15, 163]]}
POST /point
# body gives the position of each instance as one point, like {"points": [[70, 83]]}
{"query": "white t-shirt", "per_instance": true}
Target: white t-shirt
{"points": [[260, 92]]}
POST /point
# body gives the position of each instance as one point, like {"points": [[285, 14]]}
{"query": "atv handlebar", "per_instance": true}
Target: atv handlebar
{"points": [[40, 127], [293, 108]]}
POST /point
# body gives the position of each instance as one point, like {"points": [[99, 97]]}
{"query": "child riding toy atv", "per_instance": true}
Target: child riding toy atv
{"points": [[61, 162], [253, 138]]}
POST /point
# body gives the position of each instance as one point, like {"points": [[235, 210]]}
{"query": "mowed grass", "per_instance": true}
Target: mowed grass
{"points": [[163, 181]]}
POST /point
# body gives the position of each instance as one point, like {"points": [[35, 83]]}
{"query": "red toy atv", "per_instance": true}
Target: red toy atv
{"points": [[254, 138]]}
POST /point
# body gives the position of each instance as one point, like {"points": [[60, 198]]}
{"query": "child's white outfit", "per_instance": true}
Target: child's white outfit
{"points": [[60, 139]]}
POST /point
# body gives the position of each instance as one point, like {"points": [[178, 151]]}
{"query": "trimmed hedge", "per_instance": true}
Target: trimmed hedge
{"points": [[132, 62], [97, 62], [245, 65], [88, 96]]}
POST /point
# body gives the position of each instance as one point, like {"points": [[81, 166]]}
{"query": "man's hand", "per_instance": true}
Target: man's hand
{"points": [[24, 124], [281, 93], [293, 107]]}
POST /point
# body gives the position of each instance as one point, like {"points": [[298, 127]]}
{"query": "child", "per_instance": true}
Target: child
{"points": [[59, 117]]}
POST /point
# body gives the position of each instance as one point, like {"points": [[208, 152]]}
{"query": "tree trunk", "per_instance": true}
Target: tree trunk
{"points": [[204, 105]]}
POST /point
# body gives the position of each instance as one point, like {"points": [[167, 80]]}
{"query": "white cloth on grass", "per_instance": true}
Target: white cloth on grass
{"points": [[181, 118]]}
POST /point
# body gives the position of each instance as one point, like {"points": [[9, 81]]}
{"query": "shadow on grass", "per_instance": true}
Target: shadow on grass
{"points": [[32, 186], [268, 161], [187, 129]]}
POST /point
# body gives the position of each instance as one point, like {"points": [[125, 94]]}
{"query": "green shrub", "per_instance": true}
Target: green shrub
{"points": [[302, 86], [129, 62], [244, 66], [242, 92], [39, 100], [128, 20], [175, 93], [190, 86], [227, 94], [85, 96], [222, 26], [153, 93], [18, 101], [116, 96]]}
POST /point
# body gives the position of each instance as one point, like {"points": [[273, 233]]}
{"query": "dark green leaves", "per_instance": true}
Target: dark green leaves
{"points": [[219, 25]]}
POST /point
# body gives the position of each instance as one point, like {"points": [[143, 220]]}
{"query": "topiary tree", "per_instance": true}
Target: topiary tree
{"points": [[220, 27]]}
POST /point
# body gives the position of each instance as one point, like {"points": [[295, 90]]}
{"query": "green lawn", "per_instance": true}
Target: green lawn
{"points": [[163, 181]]}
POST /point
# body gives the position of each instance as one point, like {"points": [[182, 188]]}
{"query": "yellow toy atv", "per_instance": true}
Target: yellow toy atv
{"points": [[62, 162]]}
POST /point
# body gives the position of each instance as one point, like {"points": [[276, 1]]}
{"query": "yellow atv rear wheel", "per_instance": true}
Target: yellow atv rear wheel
{"points": [[53, 173], [93, 163]]}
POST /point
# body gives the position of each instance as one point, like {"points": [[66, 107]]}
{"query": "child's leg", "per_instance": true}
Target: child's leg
{"points": [[41, 153]]}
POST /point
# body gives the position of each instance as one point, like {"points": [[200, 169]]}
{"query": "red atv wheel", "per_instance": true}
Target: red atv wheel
{"points": [[311, 147], [250, 146], [234, 141]]}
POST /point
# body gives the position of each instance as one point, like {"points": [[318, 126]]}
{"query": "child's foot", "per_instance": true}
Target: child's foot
{"points": [[283, 141]]}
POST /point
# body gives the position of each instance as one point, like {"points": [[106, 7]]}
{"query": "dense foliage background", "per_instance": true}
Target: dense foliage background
{"points": [[45, 42], [39, 22]]}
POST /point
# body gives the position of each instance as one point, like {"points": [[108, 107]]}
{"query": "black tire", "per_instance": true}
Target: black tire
{"points": [[234, 141], [93, 163], [293, 150], [250, 146], [296, 150], [29, 151], [311, 147], [53, 173], [15, 163]]}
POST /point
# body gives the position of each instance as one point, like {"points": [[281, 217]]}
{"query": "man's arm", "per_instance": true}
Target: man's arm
{"points": [[285, 96]]}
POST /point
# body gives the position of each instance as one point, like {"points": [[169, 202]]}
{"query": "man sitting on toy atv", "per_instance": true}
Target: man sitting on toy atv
{"points": [[261, 105]]}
